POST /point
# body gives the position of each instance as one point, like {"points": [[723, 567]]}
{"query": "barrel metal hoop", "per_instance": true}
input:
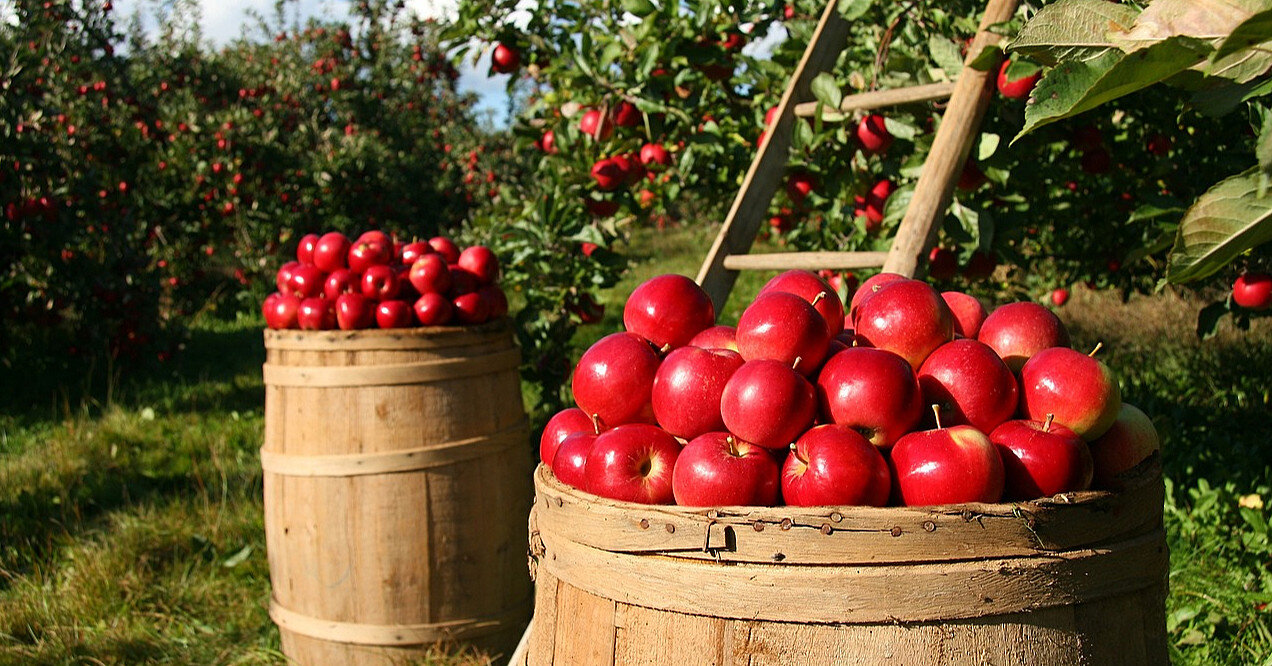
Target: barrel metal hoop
{"points": [[390, 375], [398, 635], [390, 462]]}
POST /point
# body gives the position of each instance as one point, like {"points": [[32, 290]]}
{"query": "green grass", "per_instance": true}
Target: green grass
{"points": [[131, 529]]}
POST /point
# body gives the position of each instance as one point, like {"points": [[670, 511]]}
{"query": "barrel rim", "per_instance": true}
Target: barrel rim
{"points": [[384, 338]]}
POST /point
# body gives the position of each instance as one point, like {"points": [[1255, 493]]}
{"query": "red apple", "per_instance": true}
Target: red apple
{"points": [[462, 281], [1128, 442], [367, 253], [633, 463], [434, 309], [1041, 459], [280, 310], [413, 251], [569, 462], [872, 391], [971, 384], [497, 299], [687, 389], [284, 277], [1253, 291], [626, 114], [563, 424], [305, 250], [445, 247], [430, 275], [947, 466], [668, 310], [614, 379], [869, 288], [717, 469], [781, 326], [354, 311], [471, 309], [375, 236], [968, 313], [1080, 391], [799, 185], [1016, 88], [481, 262], [942, 263], [380, 282], [608, 173], [819, 293], [768, 403], [906, 317], [394, 314], [652, 154], [307, 281], [316, 314], [1017, 331], [873, 135], [341, 281], [834, 465], [716, 337], [1059, 296], [332, 251], [504, 59], [596, 124]]}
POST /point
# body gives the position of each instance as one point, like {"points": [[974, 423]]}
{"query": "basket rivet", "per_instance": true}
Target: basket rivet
{"points": [[787, 523], [929, 526], [826, 528], [836, 516], [713, 514], [560, 502], [644, 523], [778, 557], [671, 529], [759, 527], [896, 531]]}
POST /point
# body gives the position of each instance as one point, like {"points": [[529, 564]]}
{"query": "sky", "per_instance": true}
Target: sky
{"points": [[224, 20]]}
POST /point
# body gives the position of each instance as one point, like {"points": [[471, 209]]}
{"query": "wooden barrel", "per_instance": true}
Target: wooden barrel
{"points": [[1075, 579], [397, 472]]}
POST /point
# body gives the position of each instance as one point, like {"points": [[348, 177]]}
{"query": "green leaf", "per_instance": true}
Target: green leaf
{"points": [[854, 9], [946, 55], [987, 59], [640, 8], [1206, 20], [826, 90], [1230, 218], [1255, 30], [1071, 88], [987, 147], [1072, 30], [1264, 150]]}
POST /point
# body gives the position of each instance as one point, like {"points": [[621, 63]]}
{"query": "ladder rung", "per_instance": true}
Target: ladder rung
{"points": [[781, 261], [877, 99]]}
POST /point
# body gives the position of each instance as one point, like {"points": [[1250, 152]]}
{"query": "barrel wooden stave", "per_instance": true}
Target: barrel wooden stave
{"points": [[439, 540], [1099, 602]]}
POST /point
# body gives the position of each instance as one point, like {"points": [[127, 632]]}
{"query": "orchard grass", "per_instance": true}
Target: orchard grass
{"points": [[131, 528]]}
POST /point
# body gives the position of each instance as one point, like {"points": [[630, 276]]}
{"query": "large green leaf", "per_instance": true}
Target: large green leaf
{"points": [[1073, 30], [1074, 87], [1208, 20], [1228, 219], [1255, 30]]}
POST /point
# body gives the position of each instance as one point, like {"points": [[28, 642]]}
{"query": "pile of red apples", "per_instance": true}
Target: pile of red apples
{"points": [[912, 397], [377, 281]]}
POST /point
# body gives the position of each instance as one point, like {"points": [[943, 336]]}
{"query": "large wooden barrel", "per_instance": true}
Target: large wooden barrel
{"points": [[1075, 579], [397, 474]]}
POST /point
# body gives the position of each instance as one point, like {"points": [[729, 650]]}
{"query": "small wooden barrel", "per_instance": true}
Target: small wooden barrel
{"points": [[1075, 579], [397, 478]]}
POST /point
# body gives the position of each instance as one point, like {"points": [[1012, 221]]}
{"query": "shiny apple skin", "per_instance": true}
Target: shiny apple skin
{"points": [[947, 466], [562, 424], [1041, 460], [834, 465], [569, 462], [716, 337], [782, 326], [614, 379], [970, 383], [873, 391], [717, 469], [632, 463], [869, 288], [668, 310], [906, 317], [767, 403], [687, 390], [1017, 331], [808, 286], [968, 313], [1128, 442], [1080, 391]]}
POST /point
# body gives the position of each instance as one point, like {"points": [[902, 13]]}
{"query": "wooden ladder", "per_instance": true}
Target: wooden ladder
{"points": [[969, 97]]}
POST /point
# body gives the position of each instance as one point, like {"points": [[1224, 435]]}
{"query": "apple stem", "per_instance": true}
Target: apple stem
{"points": [[1046, 426], [796, 363], [664, 349], [936, 413], [1098, 347], [596, 424], [817, 299]]}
